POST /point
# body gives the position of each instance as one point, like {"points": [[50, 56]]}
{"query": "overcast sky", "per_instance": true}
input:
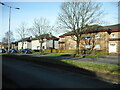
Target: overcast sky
{"points": [[31, 10]]}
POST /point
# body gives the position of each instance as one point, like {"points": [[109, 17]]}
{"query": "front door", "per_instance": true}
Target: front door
{"points": [[112, 47]]}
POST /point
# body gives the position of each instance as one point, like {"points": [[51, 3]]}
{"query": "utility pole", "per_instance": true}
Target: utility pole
{"points": [[9, 22]]}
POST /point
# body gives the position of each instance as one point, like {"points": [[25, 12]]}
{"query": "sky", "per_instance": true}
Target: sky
{"points": [[30, 10]]}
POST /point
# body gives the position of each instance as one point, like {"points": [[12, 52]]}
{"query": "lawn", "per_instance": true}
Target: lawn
{"points": [[63, 54], [104, 68], [2, 53], [44, 53]]}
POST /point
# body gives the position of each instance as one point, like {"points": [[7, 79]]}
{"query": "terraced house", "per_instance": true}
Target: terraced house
{"points": [[100, 38], [50, 41]]}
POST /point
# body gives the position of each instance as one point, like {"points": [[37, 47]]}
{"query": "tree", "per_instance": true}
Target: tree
{"points": [[40, 30], [6, 38], [22, 32], [76, 16], [90, 37]]}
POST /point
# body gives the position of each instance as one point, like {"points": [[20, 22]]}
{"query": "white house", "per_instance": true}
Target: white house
{"points": [[26, 45], [47, 44], [33, 43]]}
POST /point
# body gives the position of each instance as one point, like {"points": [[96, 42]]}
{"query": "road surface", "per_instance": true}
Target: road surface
{"points": [[21, 74]]}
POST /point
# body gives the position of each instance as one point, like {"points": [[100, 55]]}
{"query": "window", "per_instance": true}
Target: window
{"points": [[70, 46], [97, 46], [75, 37], [97, 36], [70, 38], [75, 46], [112, 44], [38, 47], [113, 36], [88, 46], [87, 37]]}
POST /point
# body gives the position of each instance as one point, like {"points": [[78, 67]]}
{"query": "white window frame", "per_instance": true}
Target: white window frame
{"points": [[87, 45], [75, 46], [70, 38], [87, 37], [97, 36], [70, 46], [96, 46]]}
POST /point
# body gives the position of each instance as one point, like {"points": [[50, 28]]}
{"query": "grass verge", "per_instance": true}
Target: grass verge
{"points": [[72, 55]]}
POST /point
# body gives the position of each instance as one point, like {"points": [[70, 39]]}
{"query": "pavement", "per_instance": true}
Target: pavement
{"points": [[113, 60], [22, 74]]}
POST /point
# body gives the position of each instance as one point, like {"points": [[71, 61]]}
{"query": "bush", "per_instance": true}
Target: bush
{"points": [[60, 51]]}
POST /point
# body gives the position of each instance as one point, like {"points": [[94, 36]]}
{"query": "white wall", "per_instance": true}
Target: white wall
{"points": [[56, 45], [25, 45], [49, 43], [36, 45]]}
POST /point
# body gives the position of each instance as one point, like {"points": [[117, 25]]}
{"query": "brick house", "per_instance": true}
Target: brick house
{"points": [[103, 38]]}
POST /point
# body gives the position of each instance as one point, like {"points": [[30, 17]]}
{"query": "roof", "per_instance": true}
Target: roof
{"points": [[45, 36], [113, 27], [25, 39], [97, 28]]}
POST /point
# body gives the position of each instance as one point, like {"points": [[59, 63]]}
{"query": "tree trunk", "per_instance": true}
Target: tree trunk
{"points": [[22, 44], [77, 47], [41, 50], [41, 47]]}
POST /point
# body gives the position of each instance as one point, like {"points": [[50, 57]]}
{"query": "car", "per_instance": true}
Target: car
{"points": [[2, 51], [12, 51], [26, 51]]}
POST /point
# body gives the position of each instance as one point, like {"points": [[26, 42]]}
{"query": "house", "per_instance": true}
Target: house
{"points": [[105, 38], [26, 43], [34, 44], [49, 42], [14, 45], [3, 45]]}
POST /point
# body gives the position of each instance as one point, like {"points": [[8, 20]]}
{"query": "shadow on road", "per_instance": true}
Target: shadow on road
{"points": [[55, 63]]}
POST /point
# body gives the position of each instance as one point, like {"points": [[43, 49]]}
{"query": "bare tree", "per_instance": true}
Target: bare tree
{"points": [[76, 16], [22, 32], [6, 38], [90, 37], [40, 30]]}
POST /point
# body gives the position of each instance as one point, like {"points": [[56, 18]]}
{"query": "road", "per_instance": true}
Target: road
{"points": [[21, 74]]}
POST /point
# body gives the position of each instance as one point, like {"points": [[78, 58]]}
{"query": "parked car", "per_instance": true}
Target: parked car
{"points": [[26, 51], [12, 51], [2, 51]]}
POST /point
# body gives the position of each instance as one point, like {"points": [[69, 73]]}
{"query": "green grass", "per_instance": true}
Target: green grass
{"points": [[61, 54], [2, 53], [55, 54], [106, 68]]}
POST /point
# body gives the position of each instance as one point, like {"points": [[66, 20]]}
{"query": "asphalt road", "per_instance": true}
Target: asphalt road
{"points": [[21, 74]]}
